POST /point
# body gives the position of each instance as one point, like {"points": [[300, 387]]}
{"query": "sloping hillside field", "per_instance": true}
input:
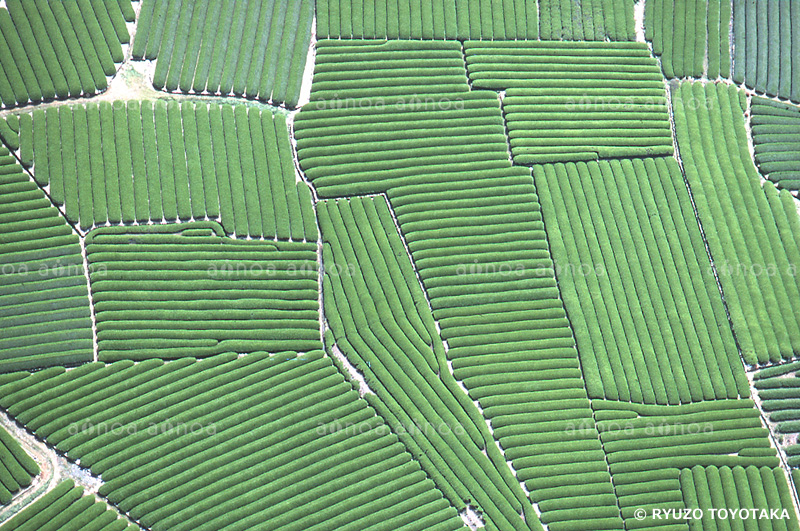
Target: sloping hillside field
{"points": [[399, 265]]}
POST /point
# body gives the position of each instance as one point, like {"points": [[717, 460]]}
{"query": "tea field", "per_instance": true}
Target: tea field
{"points": [[399, 265]]}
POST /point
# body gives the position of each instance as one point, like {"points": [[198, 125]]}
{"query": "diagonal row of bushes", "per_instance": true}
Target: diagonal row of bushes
{"points": [[231, 442], [379, 319], [17, 468], [569, 101], [68, 508], [637, 284], [775, 128], [61, 49], [139, 161], [169, 291], [473, 225], [44, 301], [753, 231], [250, 48]]}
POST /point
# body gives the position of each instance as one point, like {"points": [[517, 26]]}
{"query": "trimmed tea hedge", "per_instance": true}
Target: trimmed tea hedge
{"points": [[586, 20], [423, 19], [404, 362], [250, 48], [752, 231], [17, 468], [776, 138], [231, 443], [44, 301], [575, 101], [692, 37], [140, 161], [59, 49], [169, 291], [766, 40], [637, 283], [67, 508]]}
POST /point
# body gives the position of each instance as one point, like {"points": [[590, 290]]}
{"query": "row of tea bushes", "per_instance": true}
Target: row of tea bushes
{"points": [[232, 443], [17, 468], [170, 291], [575, 101], [44, 301], [67, 508], [60, 49], [775, 129], [427, 19], [691, 37], [649, 322], [140, 161], [251, 48], [380, 320], [766, 39], [753, 232]]}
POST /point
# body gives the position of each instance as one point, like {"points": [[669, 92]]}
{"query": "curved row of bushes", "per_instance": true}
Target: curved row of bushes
{"points": [[379, 319], [586, 20], [357, 70], [648, 319], [170, 291], [67, 508], [575, 101], [776, 139], [17, 468], [232, 443], [651, 448], [424, 19], [692, 37], [44, 302], [766, 37], [736, 488], [250, 48], [140, 161], [753, 232], [472, 223], [61, 49]]}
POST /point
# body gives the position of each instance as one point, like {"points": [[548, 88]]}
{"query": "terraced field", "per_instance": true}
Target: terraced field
{"points": [[17, 468], [399, 265]]}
